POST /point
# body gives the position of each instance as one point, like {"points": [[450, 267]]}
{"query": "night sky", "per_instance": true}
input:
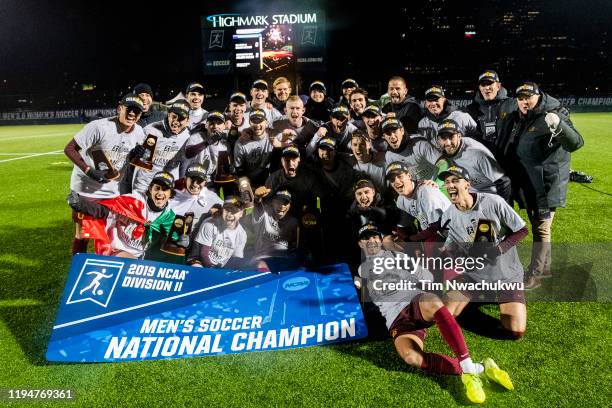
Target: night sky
{"points": [[49, 45]]}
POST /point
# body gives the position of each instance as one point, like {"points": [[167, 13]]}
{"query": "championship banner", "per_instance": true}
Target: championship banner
{"points": [[117, 309]]}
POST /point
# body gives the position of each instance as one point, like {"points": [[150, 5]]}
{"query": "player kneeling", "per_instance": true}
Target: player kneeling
{"points": [[409, 312]]}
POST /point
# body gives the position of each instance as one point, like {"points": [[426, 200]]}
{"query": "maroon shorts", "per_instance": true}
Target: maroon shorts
{"points": [[501, 296], [410, 321]]}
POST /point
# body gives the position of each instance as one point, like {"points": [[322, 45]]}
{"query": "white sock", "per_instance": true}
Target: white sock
{"points": [[469, 367]]}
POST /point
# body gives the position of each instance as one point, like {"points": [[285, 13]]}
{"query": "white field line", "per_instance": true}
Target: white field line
{"points": [[31, 155], [24, 153], [41, 135]]}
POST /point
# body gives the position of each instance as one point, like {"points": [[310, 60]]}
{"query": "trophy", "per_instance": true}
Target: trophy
{"points": [[246, 192], [181, 226], [484, 232], [224, 168], [101, 162], [146, 161]]}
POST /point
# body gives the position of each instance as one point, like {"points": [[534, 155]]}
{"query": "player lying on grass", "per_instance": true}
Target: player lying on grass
{"points": [[124, 226], [409, 313], [483, 224]]}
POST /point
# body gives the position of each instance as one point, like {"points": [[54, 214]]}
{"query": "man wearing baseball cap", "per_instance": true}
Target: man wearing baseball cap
{"points": [[338, 127], [413, 150], [171, 133], [483, 226], [437, 109], [195, 95], [487, 174], [372, 117], [347, 86], [100, 153], [319, 105], [486, 107], [253, 151], [259, 100], [221, 239], [235, 113], [537, 140], [152, 111]]}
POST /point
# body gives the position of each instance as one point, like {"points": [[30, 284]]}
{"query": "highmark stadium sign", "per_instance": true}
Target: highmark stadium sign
{"points": [[237, 20], [117, 309]]}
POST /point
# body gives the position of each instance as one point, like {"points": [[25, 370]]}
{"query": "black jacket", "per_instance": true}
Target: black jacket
{"points": [[486, 114], [537, 163], [408, 112], [154, 114], [319, 111]]}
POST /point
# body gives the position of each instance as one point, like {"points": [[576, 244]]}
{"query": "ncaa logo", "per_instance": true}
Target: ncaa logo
{"points": [[96, 282], [295, 284]]}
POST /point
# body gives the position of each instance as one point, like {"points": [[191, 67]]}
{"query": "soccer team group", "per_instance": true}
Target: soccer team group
{"points": [[316, 182]]}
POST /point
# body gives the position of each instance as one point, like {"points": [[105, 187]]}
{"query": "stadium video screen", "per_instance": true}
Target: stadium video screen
{"points": [[235, 43]]}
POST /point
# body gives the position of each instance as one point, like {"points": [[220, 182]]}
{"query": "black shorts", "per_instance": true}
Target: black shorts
{"points": [[502, 296], [410, 321]]}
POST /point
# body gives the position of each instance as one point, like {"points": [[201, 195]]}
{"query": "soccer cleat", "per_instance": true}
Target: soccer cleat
{"points": [[496, 374], [473, 388], [533, 282]]}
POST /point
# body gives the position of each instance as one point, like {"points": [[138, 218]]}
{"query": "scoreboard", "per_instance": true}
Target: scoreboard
{"points": [[263, 43]]}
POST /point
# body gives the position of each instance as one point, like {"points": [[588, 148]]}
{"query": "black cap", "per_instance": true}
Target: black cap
{"points": [[454, 171], [488, 76], [238, 97], [528, 89], [196, 170], [260, 84], [143, 88], [390, 123], [349, 83], [180, 107], [284, 195], [340, 112], [232, 204], [195, 87], [369, 230], [215, 115], [257, 116], [291, 151], [396, 168], [363, 183], [132, 101], [164, 179], [318, 85], [372, 110], [434, 92], [327, 142], [448, 126]]}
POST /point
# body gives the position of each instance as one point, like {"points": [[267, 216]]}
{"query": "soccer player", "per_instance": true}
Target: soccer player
{"points": [[367, 161], [484, 225], [486, 175], [236, 121], [195, 97], [409, 313], [299, 128], [372, 117], [221, 239], [282, 90], [117, 139], [259, 96], [151, 110], [358, 100], [348, 86], [253, 151], [438, 109], [338, 128]]}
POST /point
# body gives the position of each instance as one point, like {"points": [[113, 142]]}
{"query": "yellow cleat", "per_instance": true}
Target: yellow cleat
{"points": [[496, 374], [473, 388]]}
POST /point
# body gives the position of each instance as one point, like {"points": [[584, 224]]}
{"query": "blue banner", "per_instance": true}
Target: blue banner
{"points": [[117, 309]]}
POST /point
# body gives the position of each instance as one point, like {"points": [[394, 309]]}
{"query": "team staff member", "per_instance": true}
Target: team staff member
{"points": [[319, 106], [486, 175], [486, 107], [151, 112], [195, 96], [438, 109], [505, 228], [172, 134], [405, 108], [538, 139], [410, 313], [117, 138]]}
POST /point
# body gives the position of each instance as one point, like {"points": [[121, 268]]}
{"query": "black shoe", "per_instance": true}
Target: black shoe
{"points": [[580, 177]]}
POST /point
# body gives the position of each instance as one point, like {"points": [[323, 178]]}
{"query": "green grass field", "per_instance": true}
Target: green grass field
{"points": [[564, 360]]}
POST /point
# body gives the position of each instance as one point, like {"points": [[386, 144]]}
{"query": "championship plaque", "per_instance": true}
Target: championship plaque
{"points": [[224, 168], [484, 232], [179, 227], [246, 192], [146, 161], [101, 162]]}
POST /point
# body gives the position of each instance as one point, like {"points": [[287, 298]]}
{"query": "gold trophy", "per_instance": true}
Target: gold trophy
{"points": [[180, 226], [101, 162], [246, 192], [224, 168], [146, 161], [484, 232]]}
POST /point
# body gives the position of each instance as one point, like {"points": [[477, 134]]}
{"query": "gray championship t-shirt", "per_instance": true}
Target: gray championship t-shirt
{"points": [[427, 204], [224, 243], [199, 205], [480, 164], [419, 154]]}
